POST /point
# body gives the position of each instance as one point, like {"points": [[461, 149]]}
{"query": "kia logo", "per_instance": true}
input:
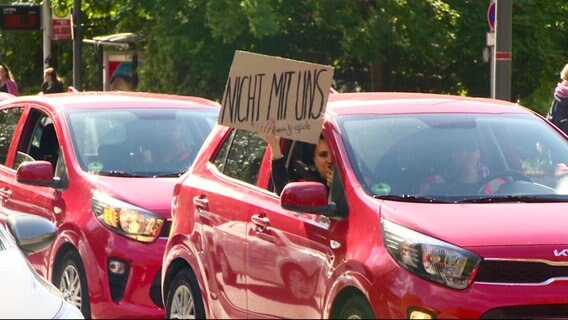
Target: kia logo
{"points": [[561, 253]]}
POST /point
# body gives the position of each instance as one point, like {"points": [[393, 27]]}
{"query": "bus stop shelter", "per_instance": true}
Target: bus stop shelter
{"points": [[118, 59]]}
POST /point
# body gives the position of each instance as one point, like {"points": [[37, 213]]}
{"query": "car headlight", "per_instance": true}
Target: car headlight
{"points": [[430, 258], [126, 219]]}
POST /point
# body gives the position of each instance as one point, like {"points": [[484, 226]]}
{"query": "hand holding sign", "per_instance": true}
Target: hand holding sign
{"points": [[293, 93]]}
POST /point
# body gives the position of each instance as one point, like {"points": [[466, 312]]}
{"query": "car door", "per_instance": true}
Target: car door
{"points": [[10, 127], [223, 198], [287, 257], [36, 140]]}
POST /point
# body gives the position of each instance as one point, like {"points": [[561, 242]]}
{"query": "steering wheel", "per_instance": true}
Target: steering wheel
{"points": [[515, 175]]}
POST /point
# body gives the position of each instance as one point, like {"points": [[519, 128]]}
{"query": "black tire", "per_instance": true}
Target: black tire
{"points": [[184, 297], [356, 307], [77, 293]]}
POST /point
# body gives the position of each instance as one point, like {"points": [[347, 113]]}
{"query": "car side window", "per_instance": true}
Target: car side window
{"points": [[40, 142], [8, 120], [221, 156], [301, 164], [244, 156]]}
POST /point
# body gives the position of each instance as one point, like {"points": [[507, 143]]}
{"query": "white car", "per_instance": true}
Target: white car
{"points": [[24, 294]]}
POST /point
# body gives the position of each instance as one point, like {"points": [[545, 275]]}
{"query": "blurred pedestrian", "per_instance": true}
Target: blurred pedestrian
{"points": [[7, 83], [51, 82], [558, 113]]}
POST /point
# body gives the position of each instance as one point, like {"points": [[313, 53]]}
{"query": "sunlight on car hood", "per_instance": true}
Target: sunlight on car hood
{"points": [[154, 194], [483, 224]]}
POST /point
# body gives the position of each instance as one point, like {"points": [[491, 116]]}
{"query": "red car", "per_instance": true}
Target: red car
{"points": [[440, 207], [102, 167]]}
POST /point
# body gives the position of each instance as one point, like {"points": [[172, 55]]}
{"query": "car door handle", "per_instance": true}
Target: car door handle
{"points": [[261, 221], [201, 202], [5, 193]]}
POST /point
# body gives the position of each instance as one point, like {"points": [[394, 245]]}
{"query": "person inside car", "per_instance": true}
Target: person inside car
{"points": [[465, 168], [170, 147], [280, 176]]}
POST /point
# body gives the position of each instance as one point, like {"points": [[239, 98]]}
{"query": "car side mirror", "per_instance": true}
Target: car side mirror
{"points": [[32, 233], [36, 173], [306, 197]]}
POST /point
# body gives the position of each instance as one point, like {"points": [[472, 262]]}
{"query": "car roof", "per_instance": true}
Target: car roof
{"points": [[411, 103], [5, 95], [114, 99]]}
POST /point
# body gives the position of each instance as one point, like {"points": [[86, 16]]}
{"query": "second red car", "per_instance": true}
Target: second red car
{"points": [[440, 207]]}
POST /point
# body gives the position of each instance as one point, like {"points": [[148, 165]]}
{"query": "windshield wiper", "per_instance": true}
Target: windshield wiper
{"points": [[408, 198], [518, 198], [169, 174], [118, 173]]}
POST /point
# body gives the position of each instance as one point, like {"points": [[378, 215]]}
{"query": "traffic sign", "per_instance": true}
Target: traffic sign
{"points": [[491, 15], [61, 28]]}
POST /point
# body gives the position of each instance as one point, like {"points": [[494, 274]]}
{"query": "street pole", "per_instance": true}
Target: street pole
{"points": [[46, 26], [490, 48], [502, 53], [77, 45]]}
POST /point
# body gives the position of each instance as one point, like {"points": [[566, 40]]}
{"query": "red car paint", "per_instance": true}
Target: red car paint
{"points": [[379, 248], [84, 121]]}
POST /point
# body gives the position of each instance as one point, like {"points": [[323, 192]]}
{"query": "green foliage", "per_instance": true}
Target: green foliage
{"points": [[541, 98], [384, 45]]}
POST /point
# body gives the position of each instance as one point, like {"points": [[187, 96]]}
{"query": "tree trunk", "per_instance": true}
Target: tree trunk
{"points": [[378, 78]]}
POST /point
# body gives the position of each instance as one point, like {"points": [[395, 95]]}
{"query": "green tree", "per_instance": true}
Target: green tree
{"points": [[383, 45]]}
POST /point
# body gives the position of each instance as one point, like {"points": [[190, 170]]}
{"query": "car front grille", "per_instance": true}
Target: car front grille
{"points": [[521, 271], [549, 311]]}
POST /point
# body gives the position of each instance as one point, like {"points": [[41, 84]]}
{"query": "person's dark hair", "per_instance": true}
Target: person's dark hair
{"points": [[309, 152], [465, 143], [8, 72], [53, 74]]}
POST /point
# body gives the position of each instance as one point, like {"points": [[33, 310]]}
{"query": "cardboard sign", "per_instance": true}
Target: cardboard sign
{"points": [[293, 93]]}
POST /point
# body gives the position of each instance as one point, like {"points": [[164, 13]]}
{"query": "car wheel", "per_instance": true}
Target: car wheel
{"points": [[72, 282], [356, 307], [229, 276], [184, 298]]}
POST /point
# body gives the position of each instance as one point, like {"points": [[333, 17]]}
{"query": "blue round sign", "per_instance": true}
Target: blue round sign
{"points": [[491, 15]]}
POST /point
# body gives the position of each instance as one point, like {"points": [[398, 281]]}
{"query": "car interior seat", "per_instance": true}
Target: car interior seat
{"points": [[410, 161], [114, 157], [302, 166], [49, 145]]}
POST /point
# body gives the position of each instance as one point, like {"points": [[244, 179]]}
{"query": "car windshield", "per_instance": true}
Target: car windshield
{"points": [[140, 142], [457, 157]]}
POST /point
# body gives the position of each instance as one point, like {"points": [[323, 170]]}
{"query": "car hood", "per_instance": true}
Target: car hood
{"points": [[153, 194], [481, 225], [24, 295]]}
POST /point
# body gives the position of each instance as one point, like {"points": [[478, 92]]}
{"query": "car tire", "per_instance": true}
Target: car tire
{"points": [[356, 307], [184, 298], [229, 276], [71, 280]]}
